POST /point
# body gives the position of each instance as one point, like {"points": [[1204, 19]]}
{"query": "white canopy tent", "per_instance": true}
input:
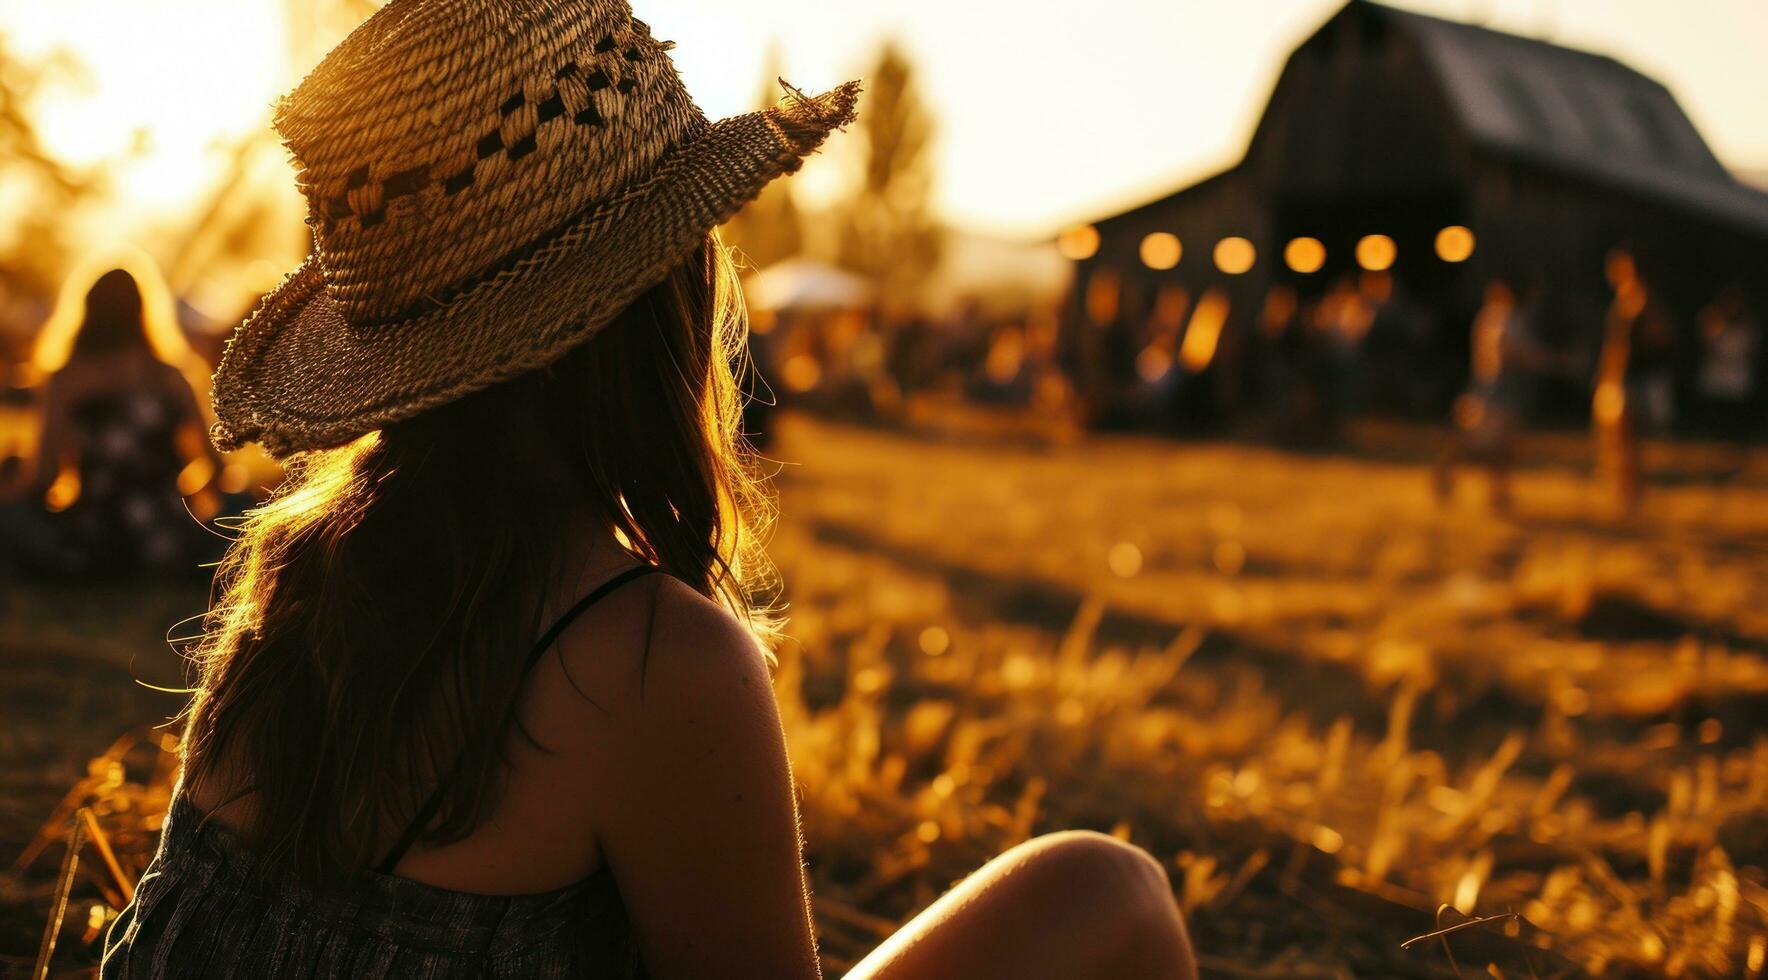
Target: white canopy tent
{"points": [[806, 285]]}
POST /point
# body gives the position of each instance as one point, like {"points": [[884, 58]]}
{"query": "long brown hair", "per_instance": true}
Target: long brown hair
{"points": [[373, 617]]}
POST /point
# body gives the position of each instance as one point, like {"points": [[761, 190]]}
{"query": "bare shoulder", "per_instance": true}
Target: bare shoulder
{"points": [[661, 652], [694, 808], [696, 638], [657, 693]]}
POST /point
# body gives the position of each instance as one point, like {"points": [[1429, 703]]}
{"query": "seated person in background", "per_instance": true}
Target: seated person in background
{"points": [[108, 460]]}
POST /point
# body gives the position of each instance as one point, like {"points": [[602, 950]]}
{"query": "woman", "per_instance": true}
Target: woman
{"points": [[482, 695], [114, 417]]}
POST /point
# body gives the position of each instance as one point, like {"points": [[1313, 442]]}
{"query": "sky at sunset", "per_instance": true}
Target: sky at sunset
{"points": [[1048, 113]]}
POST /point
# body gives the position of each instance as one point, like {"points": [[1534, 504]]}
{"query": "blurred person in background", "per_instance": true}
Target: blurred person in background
{"points": [[1332, 366], [102, 496], [1506, 359], [1731, 351], [1403, 379], [1287, 369], [1632, 385], [482, 692]]}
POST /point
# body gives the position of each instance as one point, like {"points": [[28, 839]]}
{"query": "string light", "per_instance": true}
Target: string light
{"points": [[1161, 251], [1305, 255], [1079, 244], [1235, 255], [1455, 243], [1376, 253]]}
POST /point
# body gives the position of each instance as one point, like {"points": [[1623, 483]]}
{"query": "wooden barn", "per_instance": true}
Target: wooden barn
{"points": [[1403, 166]]}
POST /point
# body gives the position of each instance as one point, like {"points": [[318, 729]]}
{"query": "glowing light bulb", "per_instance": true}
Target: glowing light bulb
{"points": [[1376, 253], [1161, 251], [1235, 255], [1305, 255], [1455, 243], [1079, 244]]}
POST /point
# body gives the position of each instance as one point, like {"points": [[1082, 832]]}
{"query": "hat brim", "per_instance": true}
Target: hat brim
{"points": [[297, 376]]}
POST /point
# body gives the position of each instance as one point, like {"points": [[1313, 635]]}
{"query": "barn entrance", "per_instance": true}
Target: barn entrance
{"points": [[1412, 350]]}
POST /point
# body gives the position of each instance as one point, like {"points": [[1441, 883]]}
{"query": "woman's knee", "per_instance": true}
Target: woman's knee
{"points": [[1119, 878], [1069, 904], [1091, 857]]}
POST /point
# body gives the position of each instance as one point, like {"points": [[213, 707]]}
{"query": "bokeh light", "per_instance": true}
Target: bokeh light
{"points": [[1102, 301], [1125, 559], [1455, 243], [1161, 251], [1079, 244], [1376, 252], [802, 372], [1304, 255], [1205, 331], [1153, 363], [1235, 255]]}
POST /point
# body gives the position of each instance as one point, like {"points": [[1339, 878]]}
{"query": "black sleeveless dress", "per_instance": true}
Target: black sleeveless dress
{"points": [[203, 909]]}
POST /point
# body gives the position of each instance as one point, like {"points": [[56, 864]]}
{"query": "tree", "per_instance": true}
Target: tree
{"points": [[33, 241], [768, 229], [888, 233]]}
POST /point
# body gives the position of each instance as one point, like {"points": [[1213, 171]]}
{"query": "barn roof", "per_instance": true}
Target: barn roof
{"points": [[1199, 188], [1576, 111], [1573, 111]]}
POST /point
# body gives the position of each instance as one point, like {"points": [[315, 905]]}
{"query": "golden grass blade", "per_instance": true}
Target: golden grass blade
{"points": [[102, 840], [58, 905], [1457, 927]]}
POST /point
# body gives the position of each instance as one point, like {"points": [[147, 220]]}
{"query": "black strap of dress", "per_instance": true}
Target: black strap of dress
{"points": [[427, 812]]}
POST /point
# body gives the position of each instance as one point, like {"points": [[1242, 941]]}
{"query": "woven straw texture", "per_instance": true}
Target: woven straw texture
{"points": [[488, 182]]}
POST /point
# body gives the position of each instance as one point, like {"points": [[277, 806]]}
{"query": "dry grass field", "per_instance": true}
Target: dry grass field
{"points": [[1330, 708]]}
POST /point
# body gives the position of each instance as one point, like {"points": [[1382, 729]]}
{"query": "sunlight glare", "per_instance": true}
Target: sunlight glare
{"points": [[163, 88]]}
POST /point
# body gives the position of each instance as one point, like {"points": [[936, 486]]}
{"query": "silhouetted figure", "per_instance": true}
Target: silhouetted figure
{"points": [[1728, 378], [1331, 375], [1397, 354], [108, 461], [1632, 383], [1506, 360]]}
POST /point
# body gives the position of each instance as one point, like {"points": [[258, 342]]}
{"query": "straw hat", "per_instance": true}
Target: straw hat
{"points": [[489, 182]]}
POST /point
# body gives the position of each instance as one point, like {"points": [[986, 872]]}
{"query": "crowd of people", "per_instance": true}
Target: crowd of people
{"points": [[117, 475], [1293, 369]]}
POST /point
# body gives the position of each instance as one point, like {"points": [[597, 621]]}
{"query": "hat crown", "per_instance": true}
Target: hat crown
{"points": [[441, 136]]}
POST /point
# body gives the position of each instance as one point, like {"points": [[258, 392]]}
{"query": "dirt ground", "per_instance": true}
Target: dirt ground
{"points": [[1327, 705]]}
